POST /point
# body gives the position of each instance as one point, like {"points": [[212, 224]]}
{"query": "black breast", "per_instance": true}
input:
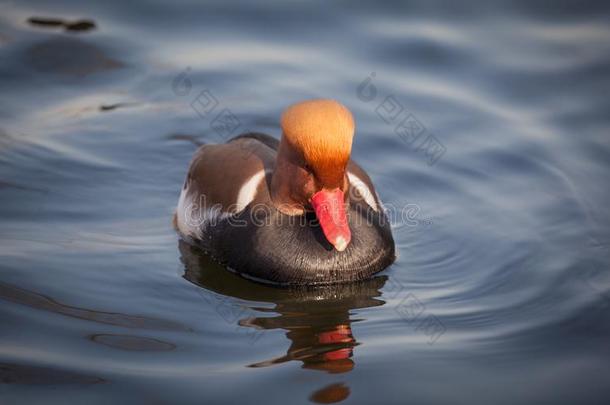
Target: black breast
{"points": [[262, 243]]}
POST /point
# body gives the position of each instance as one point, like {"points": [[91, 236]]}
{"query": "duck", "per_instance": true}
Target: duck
{"points": [[293, 211]]}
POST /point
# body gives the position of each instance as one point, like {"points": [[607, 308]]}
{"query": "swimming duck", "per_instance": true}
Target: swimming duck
{"points": [[297, 211]]}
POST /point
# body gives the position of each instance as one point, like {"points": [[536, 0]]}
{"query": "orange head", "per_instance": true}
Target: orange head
{"points": [[322, 130], [312, 161]]}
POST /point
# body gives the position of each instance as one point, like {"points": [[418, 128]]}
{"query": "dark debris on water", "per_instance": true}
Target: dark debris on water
{"points": [[78, 25]]}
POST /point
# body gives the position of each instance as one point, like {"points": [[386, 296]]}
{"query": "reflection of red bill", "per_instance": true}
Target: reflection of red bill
{"points": [[341, 334], [329, 206], [338, 354]]}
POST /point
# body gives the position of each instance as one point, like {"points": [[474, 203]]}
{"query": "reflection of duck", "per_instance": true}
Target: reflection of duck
{"points": [[330, 394], [326, 348], [295, 211], [316, 319]]}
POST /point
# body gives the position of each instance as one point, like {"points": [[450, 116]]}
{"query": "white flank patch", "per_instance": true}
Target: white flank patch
{"points": [[184, 213], [247, 192], [192, 215], [363, 190]]}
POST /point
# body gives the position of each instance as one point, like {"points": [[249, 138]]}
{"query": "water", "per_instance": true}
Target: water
{"points": [[500, 294]]}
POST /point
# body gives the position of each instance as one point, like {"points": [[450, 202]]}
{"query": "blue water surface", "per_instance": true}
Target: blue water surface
{"points": [[485, 127]]}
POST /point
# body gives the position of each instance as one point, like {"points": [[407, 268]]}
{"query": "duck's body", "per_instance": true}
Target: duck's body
{"points": [[237, 206]]}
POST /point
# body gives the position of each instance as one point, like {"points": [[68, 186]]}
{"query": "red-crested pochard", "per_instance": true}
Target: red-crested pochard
{"points": [[294, 211]]}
